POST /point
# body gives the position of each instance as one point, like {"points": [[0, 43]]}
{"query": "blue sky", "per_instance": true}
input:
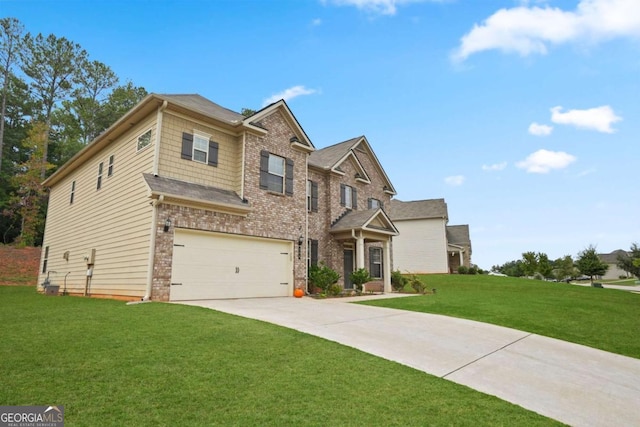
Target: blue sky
{"points": [[523, 115]]}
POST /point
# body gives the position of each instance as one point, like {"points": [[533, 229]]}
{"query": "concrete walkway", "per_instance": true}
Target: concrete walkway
{"points": [[574, 384]]}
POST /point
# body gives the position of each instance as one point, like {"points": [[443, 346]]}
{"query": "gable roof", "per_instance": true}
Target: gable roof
{"points": [[330, 158], [299, 139], [202, 105], [418, 209], [612, 258], [368, 220], [458, 235]]}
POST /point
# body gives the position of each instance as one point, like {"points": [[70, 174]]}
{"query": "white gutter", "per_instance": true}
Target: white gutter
{"points": [[306, 227], [152, 247], [156, 157]]}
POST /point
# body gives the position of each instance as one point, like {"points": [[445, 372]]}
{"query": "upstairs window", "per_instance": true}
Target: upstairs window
{"points": [[199, 148], [110, 169], [73, 192], [144, 140], [276, 173], [348, 197], [99, 183], [312, 196], [374, 203]]}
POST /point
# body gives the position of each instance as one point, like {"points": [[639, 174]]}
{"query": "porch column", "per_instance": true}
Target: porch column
{"points": [[386, 265], [359, 251], [461, 257]]}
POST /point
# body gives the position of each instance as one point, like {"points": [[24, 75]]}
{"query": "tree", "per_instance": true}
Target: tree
{"points": [[120, 100], [10, 44], [247, 112], [564, 267], [589, 263], [529, 263], [631, 262], [29, 200], [544, 265], [51, 64]]}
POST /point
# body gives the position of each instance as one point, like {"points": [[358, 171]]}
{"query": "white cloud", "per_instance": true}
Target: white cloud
{"points": [[599, 118], [543, 161], [382, 7], [526, 30], [494, 167], [540, 130], [455, 180], [316, 22], [289, 94]]}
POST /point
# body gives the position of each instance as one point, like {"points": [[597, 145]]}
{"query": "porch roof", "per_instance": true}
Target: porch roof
{"points": [[373, 221]]}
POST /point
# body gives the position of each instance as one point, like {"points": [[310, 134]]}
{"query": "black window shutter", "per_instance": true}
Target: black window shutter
{"points": [[342, 196], [371, 250], [354, 195], [314, 196], [369, 203], [213, 154], [187, 146], [314, 252], [264, 170], [289, 177]]}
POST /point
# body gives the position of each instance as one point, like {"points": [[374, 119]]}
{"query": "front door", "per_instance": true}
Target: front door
{"points": [[348, 268]]}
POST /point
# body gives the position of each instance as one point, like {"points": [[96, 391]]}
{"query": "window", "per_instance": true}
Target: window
{"points": [[45, 259], [312, 252], [374, 203], [348, 197], [200, 148], [99, 183], [110, 170], [312, 196], [73, 191], [375, 262], [144, 140], [276, 173]]}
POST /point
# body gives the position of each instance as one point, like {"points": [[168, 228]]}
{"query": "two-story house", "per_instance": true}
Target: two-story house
{"points": [[183, 199]]}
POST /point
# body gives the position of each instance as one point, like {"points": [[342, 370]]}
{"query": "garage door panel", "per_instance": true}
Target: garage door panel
{"points": [[216, 265]]}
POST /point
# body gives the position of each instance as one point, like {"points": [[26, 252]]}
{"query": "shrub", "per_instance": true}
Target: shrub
{"points": [[398, 281], [334, 289], [321, 276], [472, 270], [359, 278], [417, 284], [463, 269]]}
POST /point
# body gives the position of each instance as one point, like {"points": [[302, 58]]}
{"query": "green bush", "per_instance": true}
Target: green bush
{"points": [[417, 284], [334, 289], [398, 281], [359, 278], [463, 269], [321, 276], [472, 270]]}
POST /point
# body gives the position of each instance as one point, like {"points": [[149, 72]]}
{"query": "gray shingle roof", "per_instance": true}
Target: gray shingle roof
{"points": [[202, 105], [612, 258], [187, 190], [458, 235], [327, 157], [417, 209]]}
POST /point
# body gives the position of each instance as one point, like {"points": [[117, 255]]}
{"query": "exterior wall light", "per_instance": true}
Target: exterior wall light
{"points": [[300, 240], [167, 225]]}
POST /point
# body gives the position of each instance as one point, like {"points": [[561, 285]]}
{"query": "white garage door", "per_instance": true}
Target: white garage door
{"points": [[217, 265]]}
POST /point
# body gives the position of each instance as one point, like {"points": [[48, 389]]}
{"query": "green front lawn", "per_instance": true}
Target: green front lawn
{"points": [[602, 318], [157, 364]]}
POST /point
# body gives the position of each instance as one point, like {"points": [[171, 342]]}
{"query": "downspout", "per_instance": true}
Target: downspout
{"points": [[244, 144], [156, 157], [152, 246], [306, 229]]}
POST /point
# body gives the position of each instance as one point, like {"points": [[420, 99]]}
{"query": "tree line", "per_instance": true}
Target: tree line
{"points": [[587, 263], [55, 100]]}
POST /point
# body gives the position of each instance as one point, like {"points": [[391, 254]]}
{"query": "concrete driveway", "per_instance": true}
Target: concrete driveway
{"points": [[574, 384]]}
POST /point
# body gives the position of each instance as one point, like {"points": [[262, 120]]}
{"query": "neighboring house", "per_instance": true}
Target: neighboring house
{"points": [[459, 247], [183, 199], [613, 272], [426, 244]]}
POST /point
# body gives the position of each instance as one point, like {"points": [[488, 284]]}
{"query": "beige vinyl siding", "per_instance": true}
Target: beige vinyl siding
{"points": [[421, 246], [227, 175], [115, 220]]}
